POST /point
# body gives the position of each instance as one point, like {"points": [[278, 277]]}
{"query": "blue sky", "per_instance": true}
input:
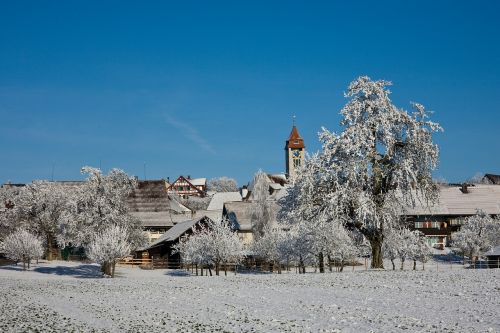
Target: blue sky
{"points": [[209, 88]]}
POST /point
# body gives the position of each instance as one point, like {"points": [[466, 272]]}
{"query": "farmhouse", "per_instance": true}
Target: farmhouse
{"points": [[456, 202], [186, 187], [163, 246]]}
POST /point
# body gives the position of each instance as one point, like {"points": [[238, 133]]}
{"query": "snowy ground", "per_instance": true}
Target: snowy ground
{"points": [[63, 296]]}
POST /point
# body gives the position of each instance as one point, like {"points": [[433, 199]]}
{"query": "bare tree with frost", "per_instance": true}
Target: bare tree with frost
{"points": [[100, 204], [9, 195], [478, 234], [108, 246], [43, 206], [392, 244], [21, 245], [422, 251], [262, 212], [214, 244], [222, 184], [379, 164]]}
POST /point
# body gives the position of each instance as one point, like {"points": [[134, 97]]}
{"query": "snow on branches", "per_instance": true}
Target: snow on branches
{"points": [[211, 244], [365, 176], [222, 184], [478, 234], [108, 246], [23, 246], [100, 204]]}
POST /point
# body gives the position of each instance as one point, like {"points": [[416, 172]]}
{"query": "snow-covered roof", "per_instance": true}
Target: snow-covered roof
{"points": [[176, 231], [198, 181], [240, 213], [452, 201], [220, 198], [493, 252], [276, 186]]}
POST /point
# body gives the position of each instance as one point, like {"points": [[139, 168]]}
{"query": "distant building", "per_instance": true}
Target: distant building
{"points": [[456, 202], [186, 187], [491, 179], [294, 152]]}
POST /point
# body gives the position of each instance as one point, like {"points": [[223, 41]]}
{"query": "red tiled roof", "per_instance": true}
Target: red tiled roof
{"points": [[295, 140]]}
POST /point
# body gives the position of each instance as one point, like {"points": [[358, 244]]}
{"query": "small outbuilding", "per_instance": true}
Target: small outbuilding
{"points": [[163, 246], [493, 257]]}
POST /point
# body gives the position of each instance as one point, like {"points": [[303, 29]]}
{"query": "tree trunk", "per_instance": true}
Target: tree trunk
{"points": [[321, 260], [341, 266], [225, 269], [414, 265], [402, 263], [50, 245], [301, 265], [113, 265], [210, 270], [217, 269], [376, 244], [393, 265], [329, 263]]}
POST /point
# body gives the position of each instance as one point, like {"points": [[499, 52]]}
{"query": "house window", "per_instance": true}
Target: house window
{"points": [[419, 225]]}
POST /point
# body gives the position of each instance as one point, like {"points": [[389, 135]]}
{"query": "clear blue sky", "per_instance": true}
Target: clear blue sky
{"points": [[209, 88]]}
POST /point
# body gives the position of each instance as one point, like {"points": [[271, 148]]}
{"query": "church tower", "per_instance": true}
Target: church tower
{"points": [[295, 152]]}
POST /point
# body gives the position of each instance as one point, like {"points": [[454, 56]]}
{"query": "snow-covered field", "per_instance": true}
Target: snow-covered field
{"points": [[63, 296]]}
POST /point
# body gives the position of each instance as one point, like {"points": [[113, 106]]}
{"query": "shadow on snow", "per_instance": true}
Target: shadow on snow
{"points": [[82, 271]]}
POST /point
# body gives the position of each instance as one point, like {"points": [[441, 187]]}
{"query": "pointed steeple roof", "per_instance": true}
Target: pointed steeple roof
{"points": [[294, 140]]}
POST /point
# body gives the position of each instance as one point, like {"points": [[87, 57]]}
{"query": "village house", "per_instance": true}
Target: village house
{"points": [[162, 248], [186, 187], [456, 202]]}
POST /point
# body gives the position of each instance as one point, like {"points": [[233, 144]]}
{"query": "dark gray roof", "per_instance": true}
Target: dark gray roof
{"points": [[176, 231], [493, 179]]}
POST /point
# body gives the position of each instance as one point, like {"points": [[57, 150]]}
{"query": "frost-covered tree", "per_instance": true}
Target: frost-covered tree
{"points": [[43, 206], [421, 251], [108, 246], [262, 212], [478, 234], [21, 245], [392, 244], [408, 245], [275, 246], [214, 244], [343, 247], [222, 184], [9, 195], [380, 163], [100, 204]]}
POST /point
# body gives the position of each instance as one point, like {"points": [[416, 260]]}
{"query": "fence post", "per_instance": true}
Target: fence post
{"points": [[152, 262]]}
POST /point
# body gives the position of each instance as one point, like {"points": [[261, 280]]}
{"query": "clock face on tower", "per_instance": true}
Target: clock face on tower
{"points": [[296, 152]]}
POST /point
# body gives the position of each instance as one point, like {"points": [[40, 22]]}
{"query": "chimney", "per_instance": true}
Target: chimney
{"points": [[189, 176], [465, 188]]}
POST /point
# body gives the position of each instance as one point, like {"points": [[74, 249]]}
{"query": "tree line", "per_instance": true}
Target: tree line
{"points": [[93, 215]]}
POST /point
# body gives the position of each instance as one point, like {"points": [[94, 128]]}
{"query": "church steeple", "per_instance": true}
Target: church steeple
{"points": [[294, 150]]}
